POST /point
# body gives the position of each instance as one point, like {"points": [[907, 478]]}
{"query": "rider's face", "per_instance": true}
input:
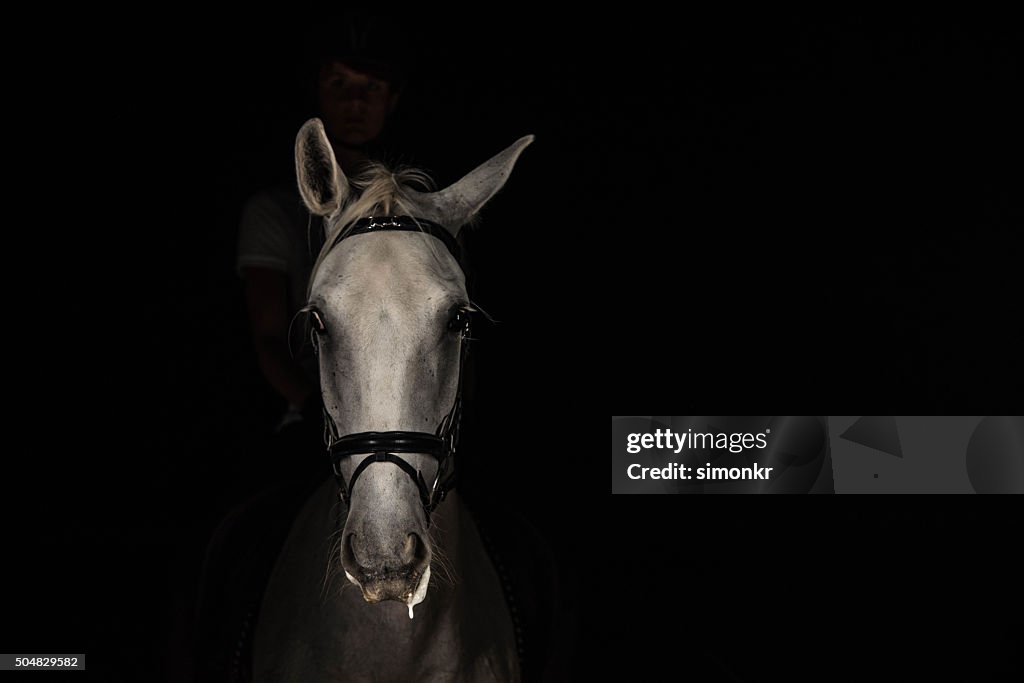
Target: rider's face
{"points": [[354, 104]]}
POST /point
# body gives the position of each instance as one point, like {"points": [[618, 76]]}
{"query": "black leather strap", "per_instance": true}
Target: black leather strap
{"points": [[382, 456], [406, 224], [381, 447], [395, 442]]}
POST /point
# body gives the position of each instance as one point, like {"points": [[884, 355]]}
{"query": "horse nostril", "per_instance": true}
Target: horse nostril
{"points": [[348, 556], [414, 552], [412, 542]]}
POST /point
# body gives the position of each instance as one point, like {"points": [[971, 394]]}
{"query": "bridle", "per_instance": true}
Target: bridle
{"points": [[383, 446]]}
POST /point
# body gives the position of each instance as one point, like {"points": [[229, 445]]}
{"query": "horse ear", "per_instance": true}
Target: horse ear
{"points": [[322, 183], [455, 205]]}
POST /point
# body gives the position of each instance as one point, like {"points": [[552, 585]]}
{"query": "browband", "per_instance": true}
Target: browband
{"points": [[407, 224]]}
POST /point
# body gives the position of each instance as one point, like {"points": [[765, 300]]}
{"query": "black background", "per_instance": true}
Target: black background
{"points": [[721, 213]]}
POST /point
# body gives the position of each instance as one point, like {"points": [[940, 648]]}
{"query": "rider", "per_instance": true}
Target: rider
{"points": [[358, 84]]}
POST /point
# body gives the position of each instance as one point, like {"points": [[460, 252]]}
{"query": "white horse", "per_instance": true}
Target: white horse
{"points": [[396, 585]]}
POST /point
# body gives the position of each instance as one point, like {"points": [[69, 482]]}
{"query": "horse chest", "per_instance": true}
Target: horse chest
{"points": [[465, 642], [309, 630], [444, 651]]}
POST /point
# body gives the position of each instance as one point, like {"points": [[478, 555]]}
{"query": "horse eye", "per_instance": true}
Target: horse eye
{"points": [[459, 321]]}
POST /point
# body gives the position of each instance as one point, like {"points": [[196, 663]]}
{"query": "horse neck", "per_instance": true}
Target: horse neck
{"points": [[450, 529]]}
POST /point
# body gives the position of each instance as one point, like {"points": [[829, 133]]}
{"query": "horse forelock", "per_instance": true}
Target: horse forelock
{"points": [[377, 191]]}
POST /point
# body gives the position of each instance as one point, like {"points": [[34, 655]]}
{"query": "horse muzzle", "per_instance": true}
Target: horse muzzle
{"points": [[381, 580], [399, 585]]}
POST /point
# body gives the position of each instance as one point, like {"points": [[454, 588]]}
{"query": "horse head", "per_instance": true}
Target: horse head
{"points": [[388, 309]]}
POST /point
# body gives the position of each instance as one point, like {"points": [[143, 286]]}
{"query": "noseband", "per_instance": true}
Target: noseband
{"points": [[383, 446]]}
